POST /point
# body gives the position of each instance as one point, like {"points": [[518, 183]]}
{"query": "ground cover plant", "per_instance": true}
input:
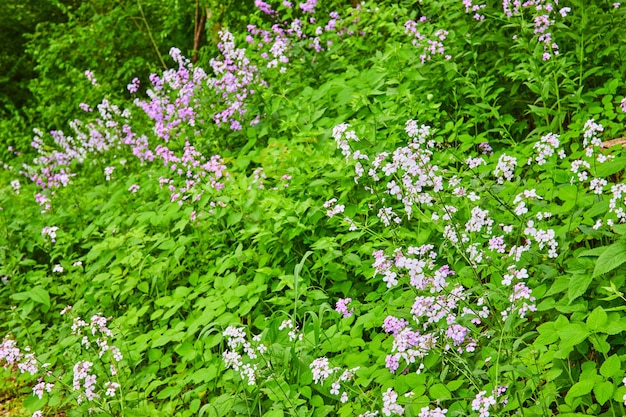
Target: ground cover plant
{"points": [[371, 209]]}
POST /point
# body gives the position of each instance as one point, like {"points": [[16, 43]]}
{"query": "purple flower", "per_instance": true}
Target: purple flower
{"points": [[342, 307], [133, 87], [394, 325], [308, 6]]}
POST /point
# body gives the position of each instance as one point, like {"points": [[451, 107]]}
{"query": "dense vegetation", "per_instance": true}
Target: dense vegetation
{"points": [[315, 208]]}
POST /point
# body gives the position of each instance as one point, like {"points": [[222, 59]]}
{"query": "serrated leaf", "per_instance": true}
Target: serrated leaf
{"points": [[611, 366], [579, 389], [603, 391], [578, 285], [597, 319], [37, 294], [277, 412], [561, 284], [593, 252], [573, 334], [439, 392], [614, 256]]}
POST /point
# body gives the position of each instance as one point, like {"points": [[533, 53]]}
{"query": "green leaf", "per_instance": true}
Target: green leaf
{"points": [[203, 375], [593, 252], [547, 334], [578, 284], [599, 342], [579, 389], [614, 256], [603, 391], [167, 244], [573, 334], [439, 392], [597, 319], [611, 366], [169, 392], [277, 412], [37, 294]]}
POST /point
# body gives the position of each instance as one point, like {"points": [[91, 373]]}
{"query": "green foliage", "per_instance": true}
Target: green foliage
{"points": [[220, 287]]}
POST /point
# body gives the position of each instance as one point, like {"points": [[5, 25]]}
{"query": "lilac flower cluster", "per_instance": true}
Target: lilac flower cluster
{"points": [[482, 402], [505, 168], [242, 355], [277, 41], [333, 208], [438, 316], [342, 307], [321, 370], [193, 170], [15, 184], [390, 405], [182, 83], [51, 232], [429, 41], [544, 12], [294, 332], [237, 77], [97, 334], [547, 146], [12, 356], [234, 82], [51, 169], [111, 131], [85, 372], [470, 7], [444, 314]]}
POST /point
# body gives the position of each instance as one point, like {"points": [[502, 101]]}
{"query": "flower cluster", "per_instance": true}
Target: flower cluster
{"points": [[235, 79], [240, 350], [333, 208], [544, 12], [51, 232], [182, 83], [15, 184], [482, 402], [11, 355], [505, 168], [443, 313], [192, 170], [390, 405], [294, 332], [431, 44], [342, 307], [172, 106], [547, 146], [470, 7], [321, 370]]}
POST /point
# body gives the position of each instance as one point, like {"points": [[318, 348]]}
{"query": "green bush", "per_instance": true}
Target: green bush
{"points": [[457, 251]]}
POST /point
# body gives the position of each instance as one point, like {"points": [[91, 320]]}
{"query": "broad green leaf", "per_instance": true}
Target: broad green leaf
{"points": [[603, 391], [37, 294], [597, 319], [614, 256], [439, 392], [578, 284], [547, 334], [611, 366], [170, 392], [599, 342], [573, 334], [579, 389], [277, 412], [593, 252]]}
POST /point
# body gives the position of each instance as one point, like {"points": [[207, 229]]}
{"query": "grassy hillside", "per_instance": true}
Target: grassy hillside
{"points": [[386, 208]]}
